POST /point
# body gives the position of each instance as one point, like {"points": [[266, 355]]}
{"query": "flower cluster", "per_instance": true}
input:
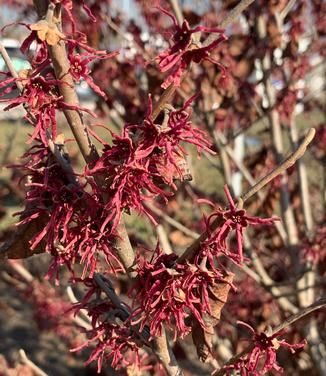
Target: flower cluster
{"points": [[172, 293], [71, 216], [114, 340], [185, 50], [41, 98], [262, 356], [144, 160]]}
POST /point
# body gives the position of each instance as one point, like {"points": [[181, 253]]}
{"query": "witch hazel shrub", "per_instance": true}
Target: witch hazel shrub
{"points": [[78, 218]]}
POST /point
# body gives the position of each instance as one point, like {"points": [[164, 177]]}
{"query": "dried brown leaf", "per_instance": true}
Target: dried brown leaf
{"points": [[48, 33], [18, 246], [218, 295], [203, 339]]}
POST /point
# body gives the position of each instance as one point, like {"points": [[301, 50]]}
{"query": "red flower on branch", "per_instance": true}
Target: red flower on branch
{"points": [[79, 63], [72, 217], [143, 161], [41, 97], [262, 357], [170, 293], [113, 340], [230, 220], [185, 50]]}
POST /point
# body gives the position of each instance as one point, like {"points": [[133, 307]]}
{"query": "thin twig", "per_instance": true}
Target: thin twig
{"points": [[234, 14], [287, 163], [164, 239], [70, 293], [177, 10], [10, 66], [287, 9], [171, 221], [24, 359], [303, 180], [21, 270], [297, 316]]}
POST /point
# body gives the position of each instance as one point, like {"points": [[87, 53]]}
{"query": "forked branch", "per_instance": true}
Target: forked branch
{"points": [[287, 163]]}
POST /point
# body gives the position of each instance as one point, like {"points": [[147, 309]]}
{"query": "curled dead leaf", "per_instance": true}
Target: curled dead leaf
{"points": [[218, 295], [18, 246], [47, 32], [203, 339]]}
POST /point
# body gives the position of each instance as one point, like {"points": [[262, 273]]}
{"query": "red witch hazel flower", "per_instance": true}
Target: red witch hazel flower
{"points": [[171, 293], [70, 217], [79, 64], [41, 96], [128, 176], [40, 58], [144, 161], [185, 50], [113, 341], [232, 219], [162, 141], [262, 357]]}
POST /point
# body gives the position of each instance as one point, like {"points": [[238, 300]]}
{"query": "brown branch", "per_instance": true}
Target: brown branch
{"points": [[163, 239], [287, 163], [67, 89], [162, 349], [165, 98], [297, 316], [230, 18], [10, 66], [106, 286]]}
